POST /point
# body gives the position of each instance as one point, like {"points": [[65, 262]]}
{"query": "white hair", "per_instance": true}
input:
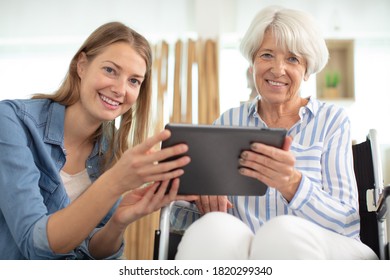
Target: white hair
{"points": [[294, 29]]}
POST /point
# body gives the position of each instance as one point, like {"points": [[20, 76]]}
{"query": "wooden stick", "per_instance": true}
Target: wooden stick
{"points": [[202, 83], [190, 63], [216, 106], [176, 112]]}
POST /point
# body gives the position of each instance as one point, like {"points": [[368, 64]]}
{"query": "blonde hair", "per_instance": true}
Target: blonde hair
{"points": [[134, 125], [294, 29]]}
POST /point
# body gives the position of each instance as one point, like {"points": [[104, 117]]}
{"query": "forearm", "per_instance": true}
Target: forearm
{"points": [[331, 212], [328, 193], [106, 242]]}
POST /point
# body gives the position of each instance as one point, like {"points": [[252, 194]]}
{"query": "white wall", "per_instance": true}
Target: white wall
{"points": [[38, 38]]}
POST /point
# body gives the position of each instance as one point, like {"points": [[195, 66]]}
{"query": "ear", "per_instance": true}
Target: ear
{"points": [[306, 77], [82, 62]]}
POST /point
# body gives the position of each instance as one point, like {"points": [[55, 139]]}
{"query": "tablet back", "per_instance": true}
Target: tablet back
{"points": [[214, 152]]}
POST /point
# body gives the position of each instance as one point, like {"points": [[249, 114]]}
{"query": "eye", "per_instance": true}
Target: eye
{"points": [[109, 70], [266, 56], [135, 82], [293, 59]]}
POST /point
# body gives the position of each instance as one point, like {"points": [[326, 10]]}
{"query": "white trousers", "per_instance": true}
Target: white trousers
{"points": [[222, 236]]}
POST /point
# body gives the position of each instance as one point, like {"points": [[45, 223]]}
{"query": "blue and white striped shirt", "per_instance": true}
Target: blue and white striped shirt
{"points": [[327, 194]]}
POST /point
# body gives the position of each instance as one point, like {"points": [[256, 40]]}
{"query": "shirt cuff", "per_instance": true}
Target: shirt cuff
{"points": [[41, 246], [85, 245], [42, 249], [303, 194]]}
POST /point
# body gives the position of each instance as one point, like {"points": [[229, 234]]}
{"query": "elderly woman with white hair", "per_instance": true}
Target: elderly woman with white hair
{"points": [[310, 210]]}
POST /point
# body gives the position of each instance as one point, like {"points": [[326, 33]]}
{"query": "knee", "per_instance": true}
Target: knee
{"points": [[216, 235], [216, 224], [281, 226], [287, 237]]}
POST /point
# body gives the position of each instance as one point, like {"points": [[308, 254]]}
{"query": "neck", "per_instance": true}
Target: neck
{"points": [[283, 115], [78, 130]]}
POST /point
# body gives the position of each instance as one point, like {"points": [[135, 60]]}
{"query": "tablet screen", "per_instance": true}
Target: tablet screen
{"points": [[214, 152]]}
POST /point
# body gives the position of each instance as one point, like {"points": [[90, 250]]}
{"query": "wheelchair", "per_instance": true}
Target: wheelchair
{"points": [[374, 202]]}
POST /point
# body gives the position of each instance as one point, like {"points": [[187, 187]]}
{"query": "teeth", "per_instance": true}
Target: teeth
{"points": [[275, 83], [109, 101]]}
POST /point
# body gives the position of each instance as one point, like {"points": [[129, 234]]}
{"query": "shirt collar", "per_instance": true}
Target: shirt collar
{"points": [[252, 108], [54, 131], [312, 106]]}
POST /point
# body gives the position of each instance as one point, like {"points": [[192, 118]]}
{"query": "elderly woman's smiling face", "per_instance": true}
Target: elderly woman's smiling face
{"points": [[278, 73]]}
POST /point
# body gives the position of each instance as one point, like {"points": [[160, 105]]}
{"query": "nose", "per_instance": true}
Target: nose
{"points": [[278, 68], [119, 87]]}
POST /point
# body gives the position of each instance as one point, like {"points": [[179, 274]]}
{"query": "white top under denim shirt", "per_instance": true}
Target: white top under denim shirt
{"points": [[31, 157], [327, 194]]}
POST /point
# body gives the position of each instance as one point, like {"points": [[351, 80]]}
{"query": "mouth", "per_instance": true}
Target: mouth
{"points": [[275, 83], [109, 101]]}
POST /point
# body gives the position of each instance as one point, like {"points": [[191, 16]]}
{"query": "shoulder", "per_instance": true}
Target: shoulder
{"points": [[327, 111], [36, 110], [330, 120], [24, 106]]}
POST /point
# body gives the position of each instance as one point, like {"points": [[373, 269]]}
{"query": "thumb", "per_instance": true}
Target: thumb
{"points": [[287, 143]]}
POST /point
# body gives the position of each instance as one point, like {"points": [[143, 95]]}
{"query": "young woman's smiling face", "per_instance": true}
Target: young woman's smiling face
{"points": [[278, 73], [110, 82]]}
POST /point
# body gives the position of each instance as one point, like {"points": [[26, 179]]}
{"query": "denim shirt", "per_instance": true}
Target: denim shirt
{"points": [[31, 157]]}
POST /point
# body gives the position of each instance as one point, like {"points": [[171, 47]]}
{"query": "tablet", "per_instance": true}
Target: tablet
{"points": [[214, 152]]}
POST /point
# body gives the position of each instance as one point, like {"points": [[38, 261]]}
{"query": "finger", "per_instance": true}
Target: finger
{"points": [[167, 153], [260, 162], [187, 197], [131, 198], [161, 190], [163, 196], [222, 203], [271, 178], [205, 201], [140, 191], [287, 143], [265, 150], [168, 186], [157, 197], [214, 203], [144, 202], [255, 170], [254, 174], [163, 167], [172, 195], [152, 157], [162, 176], [150, 142], [199, 205]]}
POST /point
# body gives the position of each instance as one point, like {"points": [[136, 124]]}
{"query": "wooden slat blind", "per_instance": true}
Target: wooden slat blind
{"points": [[203, 54]]}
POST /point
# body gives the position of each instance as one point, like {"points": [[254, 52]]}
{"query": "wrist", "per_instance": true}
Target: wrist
{"points": [[295, 181], [109, 180]]}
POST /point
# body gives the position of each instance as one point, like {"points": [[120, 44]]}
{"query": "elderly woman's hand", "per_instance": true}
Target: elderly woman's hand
{"points": [[211, 203], [272, 166]]}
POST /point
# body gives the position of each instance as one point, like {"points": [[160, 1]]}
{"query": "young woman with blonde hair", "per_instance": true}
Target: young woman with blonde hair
{"points": [[70, 182]]}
